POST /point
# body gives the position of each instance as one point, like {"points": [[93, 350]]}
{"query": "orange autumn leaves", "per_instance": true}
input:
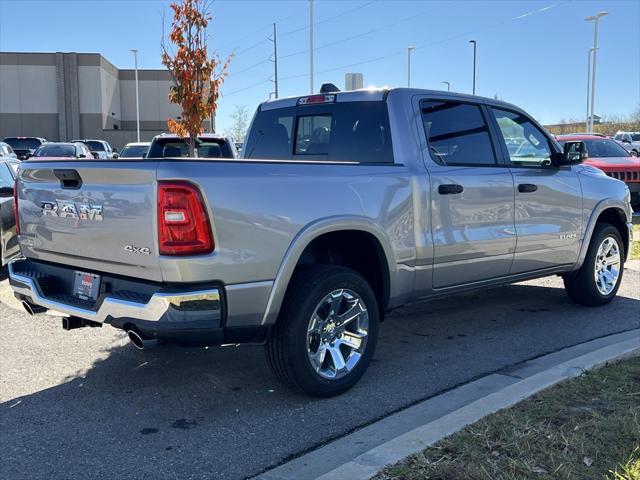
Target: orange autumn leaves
{"points": [[197, 77]]}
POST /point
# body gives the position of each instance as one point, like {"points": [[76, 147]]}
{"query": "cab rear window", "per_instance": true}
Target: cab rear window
{"points": [[355, 132]]}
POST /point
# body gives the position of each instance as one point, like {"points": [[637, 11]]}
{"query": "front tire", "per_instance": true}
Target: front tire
{"points": [[326, 332], [597, 281]]}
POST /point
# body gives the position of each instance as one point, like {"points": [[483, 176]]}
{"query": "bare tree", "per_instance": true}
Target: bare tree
{"points": [[240, 123]]}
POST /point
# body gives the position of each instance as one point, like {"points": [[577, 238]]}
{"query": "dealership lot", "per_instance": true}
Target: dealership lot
{"points": [[87, 404]]}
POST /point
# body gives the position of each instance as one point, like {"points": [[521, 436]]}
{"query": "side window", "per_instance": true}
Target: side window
{"points": [[527, 145], [6, 179], [313, 133], [457, 133], [618, 137]]}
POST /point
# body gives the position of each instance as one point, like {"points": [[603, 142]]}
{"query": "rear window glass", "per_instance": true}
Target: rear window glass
{"points": [[177, 148], [95, 146], [339, 132], [23, 143], [134, 151], [55, 150]]}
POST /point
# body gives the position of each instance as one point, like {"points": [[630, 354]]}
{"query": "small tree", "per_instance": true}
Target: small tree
{"points": [[240, 119], [197, 78]]}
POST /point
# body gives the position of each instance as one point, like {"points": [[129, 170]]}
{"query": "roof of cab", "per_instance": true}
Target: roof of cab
{"points": [[380, 94]]}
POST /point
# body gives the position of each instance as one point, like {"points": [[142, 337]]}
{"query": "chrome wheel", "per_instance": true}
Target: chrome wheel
{"points": [[337, 334], [607, 267]]}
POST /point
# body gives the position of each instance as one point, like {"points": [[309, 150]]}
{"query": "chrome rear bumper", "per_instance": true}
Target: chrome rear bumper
{"points": [[183, 306]]}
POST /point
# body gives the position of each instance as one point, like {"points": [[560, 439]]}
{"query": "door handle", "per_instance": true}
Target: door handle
{"points": [[450, 189], [527, 188]]}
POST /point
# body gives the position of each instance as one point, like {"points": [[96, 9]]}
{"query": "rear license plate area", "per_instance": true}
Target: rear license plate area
{"points": [[86, 286]]}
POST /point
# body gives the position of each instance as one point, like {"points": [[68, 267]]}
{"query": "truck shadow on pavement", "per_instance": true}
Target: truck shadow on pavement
{"points": [[220, 413]]}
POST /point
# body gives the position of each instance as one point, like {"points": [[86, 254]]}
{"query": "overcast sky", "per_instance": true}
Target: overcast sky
{"points": [[531, 53]]}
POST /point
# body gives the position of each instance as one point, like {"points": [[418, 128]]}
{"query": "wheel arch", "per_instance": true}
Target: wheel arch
{"points": [[329, 230], [607, 211]]}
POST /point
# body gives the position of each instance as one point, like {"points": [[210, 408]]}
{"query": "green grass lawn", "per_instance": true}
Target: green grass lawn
{"points": [[635, 248], [585, 428]]}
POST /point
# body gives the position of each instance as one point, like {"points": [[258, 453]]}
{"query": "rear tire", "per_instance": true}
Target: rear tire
{"points": [[596, 283], [314, 348]]}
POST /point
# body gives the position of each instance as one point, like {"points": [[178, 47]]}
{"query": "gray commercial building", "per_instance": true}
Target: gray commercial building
{"points": [[62, 96]]}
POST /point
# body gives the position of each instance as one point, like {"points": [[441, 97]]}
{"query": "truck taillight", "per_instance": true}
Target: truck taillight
{"points": [[183, 223], [15, 206]]}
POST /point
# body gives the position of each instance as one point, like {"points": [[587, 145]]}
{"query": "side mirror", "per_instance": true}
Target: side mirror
{"points": [[574, 153], [82, 155], [6, 192], [116, 155], [29, 155]]}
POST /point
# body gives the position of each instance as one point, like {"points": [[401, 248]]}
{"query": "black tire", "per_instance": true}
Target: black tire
{"points": [[581, 284], [286, 349]]}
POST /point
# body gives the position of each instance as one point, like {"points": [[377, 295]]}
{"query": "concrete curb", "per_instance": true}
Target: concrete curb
{"points": [[505, 389]]}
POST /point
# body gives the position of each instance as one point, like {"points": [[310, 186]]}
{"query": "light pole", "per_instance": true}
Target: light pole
{"points": [[594, 18], [474, 64], [448, 86], [588, 89], [409, 50], [311, 43], [135, 57]]}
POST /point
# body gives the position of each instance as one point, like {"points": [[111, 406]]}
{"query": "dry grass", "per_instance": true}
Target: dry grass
{"points": [[585, 428]]}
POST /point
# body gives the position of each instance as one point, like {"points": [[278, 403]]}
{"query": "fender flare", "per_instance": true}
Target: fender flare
{"points": [[304, 237], [606, 204]]}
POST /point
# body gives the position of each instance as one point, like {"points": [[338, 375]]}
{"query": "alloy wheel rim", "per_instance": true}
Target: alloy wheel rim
{"points": [[607, 265], [337, 334]]}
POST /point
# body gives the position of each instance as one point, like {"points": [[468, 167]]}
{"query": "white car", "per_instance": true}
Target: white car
{"points": [[135, 150], [630, 141]]}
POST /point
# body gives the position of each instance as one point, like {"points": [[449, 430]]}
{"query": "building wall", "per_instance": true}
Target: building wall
{"points": [[61, 96]]}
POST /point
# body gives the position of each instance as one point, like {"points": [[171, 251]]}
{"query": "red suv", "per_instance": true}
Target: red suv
{"points": [[612, 159]]}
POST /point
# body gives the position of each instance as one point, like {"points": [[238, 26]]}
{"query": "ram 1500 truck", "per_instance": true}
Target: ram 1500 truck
{"points": [[345, 206]]}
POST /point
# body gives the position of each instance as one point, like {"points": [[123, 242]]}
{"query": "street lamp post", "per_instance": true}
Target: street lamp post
{"points": [[474, 64], [448, 86], [311, 43], [135, 57], [588, 90], [409, 50], [594, 18]]}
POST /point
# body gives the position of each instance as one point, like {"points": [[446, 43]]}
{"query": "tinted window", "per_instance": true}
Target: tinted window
{"points": [[635, 137], [313, 134], [527, 145], [95, 146], [55, 150], [6, 178], [339, 132], [178, 148], [23, 143], [602, 148], [457, 133], [134, 151]]}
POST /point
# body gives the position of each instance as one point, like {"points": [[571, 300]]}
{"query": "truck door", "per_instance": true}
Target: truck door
{"points": [[472, 195], [548, 198]]}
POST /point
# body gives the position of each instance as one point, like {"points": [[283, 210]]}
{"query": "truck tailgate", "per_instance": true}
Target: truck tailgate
{"points": [[98, 216]]}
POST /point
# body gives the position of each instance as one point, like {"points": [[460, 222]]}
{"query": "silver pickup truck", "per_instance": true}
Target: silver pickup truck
{"points": [[345, 206]]}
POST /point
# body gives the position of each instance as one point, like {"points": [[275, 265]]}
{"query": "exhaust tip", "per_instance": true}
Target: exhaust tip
{"points": [[27, 307], [139, 342]]}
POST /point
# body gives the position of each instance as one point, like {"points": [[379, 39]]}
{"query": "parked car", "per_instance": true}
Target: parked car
{"points": [[9, 246], [345, 206], [612, 159], [24, 147], [6, 151], [135, 150], [208, 145], [53, 150], [100, 149], [630, 141]]}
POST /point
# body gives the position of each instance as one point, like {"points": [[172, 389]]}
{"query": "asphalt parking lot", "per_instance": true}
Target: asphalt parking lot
{"points": [[85, 404]]}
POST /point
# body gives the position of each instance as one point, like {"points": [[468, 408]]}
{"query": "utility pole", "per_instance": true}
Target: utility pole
{"points": [[474, 65], [311, 44], [135, 57], [588, 90], [594, 18], [409, 50], [448, 86], [274, 59]]}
